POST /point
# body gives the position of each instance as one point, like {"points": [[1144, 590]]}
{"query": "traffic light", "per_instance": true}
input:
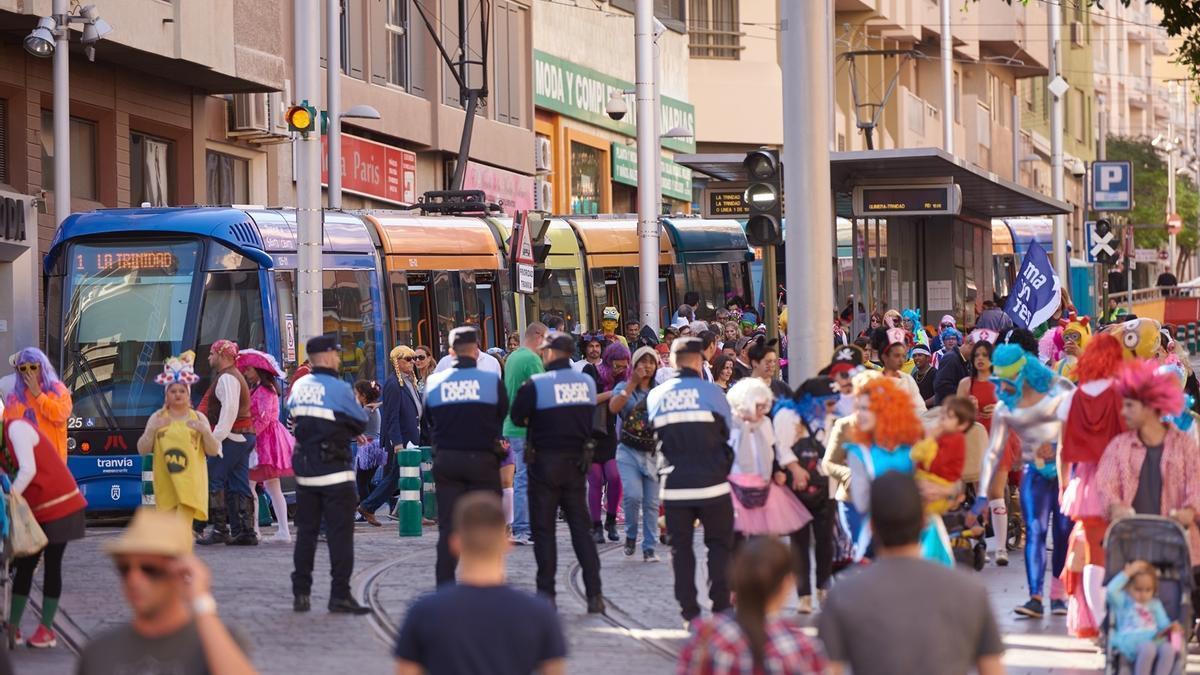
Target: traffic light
{"points": [[301, 117], [764, 198], [1106, 253]]}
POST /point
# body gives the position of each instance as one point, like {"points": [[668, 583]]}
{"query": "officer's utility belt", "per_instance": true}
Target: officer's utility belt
{"points": [[326, 480]]}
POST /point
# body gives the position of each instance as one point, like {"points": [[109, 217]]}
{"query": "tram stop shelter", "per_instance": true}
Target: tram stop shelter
{"points": [[920, 225]]}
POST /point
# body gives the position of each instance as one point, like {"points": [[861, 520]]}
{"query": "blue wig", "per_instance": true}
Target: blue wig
{"points": [[1012, 362], [48, 379]]}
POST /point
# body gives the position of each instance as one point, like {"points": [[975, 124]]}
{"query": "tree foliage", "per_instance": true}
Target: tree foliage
{"points": [[1150, 196]]}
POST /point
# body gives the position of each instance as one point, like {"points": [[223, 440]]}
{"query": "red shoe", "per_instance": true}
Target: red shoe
{"points": [[43, 638]]}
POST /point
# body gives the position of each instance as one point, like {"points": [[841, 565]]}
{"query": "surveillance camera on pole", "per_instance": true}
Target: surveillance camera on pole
{"points": [[616, 107]]}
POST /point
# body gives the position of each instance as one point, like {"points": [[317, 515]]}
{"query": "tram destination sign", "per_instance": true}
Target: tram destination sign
{"points": [[907, 200]]}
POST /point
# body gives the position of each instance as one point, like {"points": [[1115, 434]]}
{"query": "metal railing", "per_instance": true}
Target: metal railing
{"points": [[706, 42]]}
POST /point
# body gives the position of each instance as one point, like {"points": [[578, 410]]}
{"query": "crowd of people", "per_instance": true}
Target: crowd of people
{"points": [[910, 441]]}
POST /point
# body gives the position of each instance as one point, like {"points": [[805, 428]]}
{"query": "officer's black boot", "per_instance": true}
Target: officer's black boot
{"points": [[245, 519], [598, 533], [219, 519], [610, 525]]}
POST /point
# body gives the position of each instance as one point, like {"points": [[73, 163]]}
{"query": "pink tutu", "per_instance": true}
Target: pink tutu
{"points": [[274, 446], [1081, 499], [781, 514]]}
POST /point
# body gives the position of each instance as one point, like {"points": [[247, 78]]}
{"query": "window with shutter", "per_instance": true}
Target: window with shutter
{"points": [[502, 67], [353, 40], [420, 50]]}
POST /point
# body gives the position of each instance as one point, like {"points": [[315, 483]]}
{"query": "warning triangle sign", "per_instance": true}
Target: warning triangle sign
{"points": [[524, 244]]}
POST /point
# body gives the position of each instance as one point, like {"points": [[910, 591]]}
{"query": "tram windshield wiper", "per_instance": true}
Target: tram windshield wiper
{"points": [[82, 365]]}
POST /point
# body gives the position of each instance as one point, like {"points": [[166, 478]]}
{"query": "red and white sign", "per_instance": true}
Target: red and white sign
{"points": [[514, 191], [374, 170], [1174, 223], [521, 246]]}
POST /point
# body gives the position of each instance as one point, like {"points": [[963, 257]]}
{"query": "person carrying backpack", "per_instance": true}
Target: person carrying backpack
{"points": [[637, 456], [800, 423]]}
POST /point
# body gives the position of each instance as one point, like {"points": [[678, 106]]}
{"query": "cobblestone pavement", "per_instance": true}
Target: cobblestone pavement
{"points": [[642, 631]]}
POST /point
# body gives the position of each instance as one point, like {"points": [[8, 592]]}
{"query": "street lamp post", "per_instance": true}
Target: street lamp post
{"points": [[51, 38], [647, 211]]}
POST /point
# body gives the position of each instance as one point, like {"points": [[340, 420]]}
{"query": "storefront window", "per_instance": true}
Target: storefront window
{"points": [[586, 173]]}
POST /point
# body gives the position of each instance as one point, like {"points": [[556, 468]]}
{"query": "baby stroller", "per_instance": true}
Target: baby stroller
{"points": [[1162, 543], [966, 532]]}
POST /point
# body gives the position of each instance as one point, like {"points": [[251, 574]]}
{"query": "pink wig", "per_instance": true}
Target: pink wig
{"points": [[1159, 391], [47, 378]]}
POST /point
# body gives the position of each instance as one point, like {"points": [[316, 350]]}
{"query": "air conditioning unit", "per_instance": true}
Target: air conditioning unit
{"points": [[543, 195], [543, 156], [1077, 34], [249, 115]]}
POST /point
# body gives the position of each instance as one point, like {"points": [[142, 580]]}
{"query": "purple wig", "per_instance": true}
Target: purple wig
{"points": [[614, 352], [49, 378]]}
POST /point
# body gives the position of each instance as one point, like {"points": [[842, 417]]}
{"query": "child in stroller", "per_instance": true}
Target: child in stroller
{"points": [[1149, 596]]}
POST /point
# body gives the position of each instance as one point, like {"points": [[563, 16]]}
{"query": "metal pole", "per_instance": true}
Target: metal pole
{"points": [[1171, 149], [1015, 118], [1102, 154], [308, 172], [770, 292], [333, 99], [643, 29], [808, 204], [658, 31], [947, 74], [1061, 265], [62, 113]]}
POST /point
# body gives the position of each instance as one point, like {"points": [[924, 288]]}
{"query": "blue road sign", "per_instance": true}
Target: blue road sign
{"points": [[1112, 186]]}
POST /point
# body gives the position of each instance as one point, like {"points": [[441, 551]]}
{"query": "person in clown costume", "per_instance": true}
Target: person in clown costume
{"points": [[181, 441], [1030, 395], [1092, 418], [610, 323], [886, 428]]}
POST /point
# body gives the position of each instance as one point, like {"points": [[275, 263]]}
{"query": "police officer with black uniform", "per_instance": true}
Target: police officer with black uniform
{"points": [[327, 417], [558, 406], [691, 421], [464, 409]]}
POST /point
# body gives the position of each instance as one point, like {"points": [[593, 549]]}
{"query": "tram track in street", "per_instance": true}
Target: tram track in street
{"points": [[617, 617], [365, 585]]}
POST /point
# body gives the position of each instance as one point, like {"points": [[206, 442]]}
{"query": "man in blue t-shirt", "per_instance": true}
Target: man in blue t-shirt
{"points": [[480, 625]]}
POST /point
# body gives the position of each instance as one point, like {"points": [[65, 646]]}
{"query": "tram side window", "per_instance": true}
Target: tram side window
{"points": [[558, 296], [709, 282], [484, 296], [349, 316], [285, 296], [454, 298], [402, 323], [232, 311]]}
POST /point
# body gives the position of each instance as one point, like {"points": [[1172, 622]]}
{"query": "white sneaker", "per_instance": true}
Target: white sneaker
{"points": [[1002, 558], [520, 540], [281, 538], [806, 606]]}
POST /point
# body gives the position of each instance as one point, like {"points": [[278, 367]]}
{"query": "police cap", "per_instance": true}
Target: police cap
{"points": [[464, 335], [559, 342], [687, 345], [322, 343]]}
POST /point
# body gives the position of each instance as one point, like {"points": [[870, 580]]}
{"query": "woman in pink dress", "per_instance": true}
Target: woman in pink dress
{"points": [[273, 443]]}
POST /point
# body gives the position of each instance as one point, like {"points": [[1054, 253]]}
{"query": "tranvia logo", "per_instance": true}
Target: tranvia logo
{"points": [[115, 463]]}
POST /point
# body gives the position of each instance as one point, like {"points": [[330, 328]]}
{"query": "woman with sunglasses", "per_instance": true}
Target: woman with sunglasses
{"points": [[423, 365], [40, 476], [399, 419], [40, 397]]}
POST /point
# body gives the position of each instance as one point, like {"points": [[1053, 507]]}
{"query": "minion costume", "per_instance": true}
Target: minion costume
{"points": [[180, 465], [1139, 337], [610, 323]]}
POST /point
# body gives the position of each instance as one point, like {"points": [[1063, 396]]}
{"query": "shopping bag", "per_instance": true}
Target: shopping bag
{"points": [[27, 537]]}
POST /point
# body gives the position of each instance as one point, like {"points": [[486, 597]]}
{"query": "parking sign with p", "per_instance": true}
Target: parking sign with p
{"points": [[1112, 186]]}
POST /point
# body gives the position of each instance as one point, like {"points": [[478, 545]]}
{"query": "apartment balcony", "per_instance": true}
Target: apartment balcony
{"points": [[1017, 31], [1137, 91], [175, 40], [920, 121]]}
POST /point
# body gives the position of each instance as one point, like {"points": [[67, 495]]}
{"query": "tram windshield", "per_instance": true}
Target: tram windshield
{"points": [[126, 313]]}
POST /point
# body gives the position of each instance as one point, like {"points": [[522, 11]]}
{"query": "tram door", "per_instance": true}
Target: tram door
{"points": [[420, 309], [487, 308], [285, 296]]}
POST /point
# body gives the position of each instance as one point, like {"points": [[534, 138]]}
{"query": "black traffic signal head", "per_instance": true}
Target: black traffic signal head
{"points": [[764, 198], [1103, 226], [1103, 230]]}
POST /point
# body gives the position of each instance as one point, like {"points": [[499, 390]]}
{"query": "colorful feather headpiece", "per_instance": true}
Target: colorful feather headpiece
{"points": [[179, 369]]}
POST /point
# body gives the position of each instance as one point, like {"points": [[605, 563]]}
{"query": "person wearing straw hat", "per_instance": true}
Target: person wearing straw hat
{"points": [[174, 627], [41, 477], [180, 440]]}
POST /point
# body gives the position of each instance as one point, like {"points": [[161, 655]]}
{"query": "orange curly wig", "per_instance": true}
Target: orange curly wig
{"points": [[1101, 359], [896, 422]]}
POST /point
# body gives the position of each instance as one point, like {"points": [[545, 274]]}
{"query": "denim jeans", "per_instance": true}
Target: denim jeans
{"points": [[520, 524], [639, 479], [230, 471]]}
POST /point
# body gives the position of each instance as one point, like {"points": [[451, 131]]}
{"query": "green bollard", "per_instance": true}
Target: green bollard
{"points": [[409, 509], [428, 491], [1191, 341], [148, 480]]}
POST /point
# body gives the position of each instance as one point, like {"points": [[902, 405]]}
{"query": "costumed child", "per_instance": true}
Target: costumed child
{"points": [[180, 440], [761, 503], [1144, 634], [1092, 414], [940, 459]]}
